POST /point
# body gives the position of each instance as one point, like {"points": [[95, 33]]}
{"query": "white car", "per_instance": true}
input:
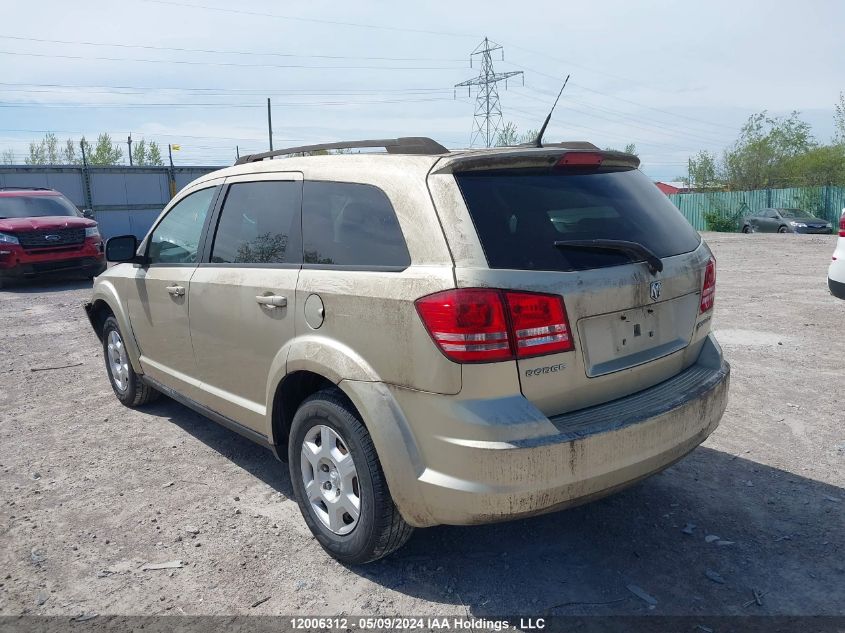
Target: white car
{"points": [[836, 272]]}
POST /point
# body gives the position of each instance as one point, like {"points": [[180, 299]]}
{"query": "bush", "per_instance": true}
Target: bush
{"points": [[728, 223]]}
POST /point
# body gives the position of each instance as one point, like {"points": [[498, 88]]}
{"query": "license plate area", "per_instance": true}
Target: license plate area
{"points": [[619, 340]]}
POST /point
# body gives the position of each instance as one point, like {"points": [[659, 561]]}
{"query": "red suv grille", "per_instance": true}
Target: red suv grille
{"points": [[45, 238]]}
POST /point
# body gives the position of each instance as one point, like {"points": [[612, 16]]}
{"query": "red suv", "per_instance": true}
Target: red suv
{"points": [[42, 232]]}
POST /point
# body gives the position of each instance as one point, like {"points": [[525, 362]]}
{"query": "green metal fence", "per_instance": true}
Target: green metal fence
{"points": [[823, 202]]}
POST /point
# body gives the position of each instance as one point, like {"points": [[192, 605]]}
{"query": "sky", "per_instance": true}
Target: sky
{"points": [[671, 77]]}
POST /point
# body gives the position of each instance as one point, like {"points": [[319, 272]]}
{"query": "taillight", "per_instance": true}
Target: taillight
{"points": [[580, 159], [708, 288], [842, 225], [539, 324], [472, 325]]}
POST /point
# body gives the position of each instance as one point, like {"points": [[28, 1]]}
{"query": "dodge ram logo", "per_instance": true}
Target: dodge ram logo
{"points": [[654, 290]]}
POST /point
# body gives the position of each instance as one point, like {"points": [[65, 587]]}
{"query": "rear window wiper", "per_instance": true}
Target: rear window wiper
{"points": [[635, 250]]}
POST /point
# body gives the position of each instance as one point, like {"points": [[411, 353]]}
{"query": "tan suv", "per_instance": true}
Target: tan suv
{"points": [[425, 336]]}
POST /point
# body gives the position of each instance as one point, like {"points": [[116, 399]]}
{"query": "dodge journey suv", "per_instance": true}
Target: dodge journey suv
{"points": [[426, 337]]}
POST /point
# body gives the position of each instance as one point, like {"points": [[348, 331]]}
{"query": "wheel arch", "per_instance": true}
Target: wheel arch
{"points": [[104, 303], [311, 368]]}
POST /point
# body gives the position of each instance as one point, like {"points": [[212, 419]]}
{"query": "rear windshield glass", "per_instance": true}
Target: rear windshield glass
{"points": [[35, 206], [520, 214]]}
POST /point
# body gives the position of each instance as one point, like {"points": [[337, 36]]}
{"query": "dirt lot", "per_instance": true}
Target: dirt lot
{"points": [[92, 491]]}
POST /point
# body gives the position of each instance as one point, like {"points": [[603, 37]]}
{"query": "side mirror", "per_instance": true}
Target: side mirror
{"points": [[122, 248], [88, 213]]}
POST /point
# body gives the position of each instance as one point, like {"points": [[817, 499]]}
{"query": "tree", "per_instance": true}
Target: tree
{"points": [[507, 136], [702, 171], [105, 152], [154, 155], [37, 154], [7, 157], [630, 148], [139, 153], [69, 153], [51, 149], [757, 158], [839, 121]]}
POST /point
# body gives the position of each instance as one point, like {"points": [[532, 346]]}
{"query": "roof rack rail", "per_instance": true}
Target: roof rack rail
{"points": [[403, 145], [23, 188]]}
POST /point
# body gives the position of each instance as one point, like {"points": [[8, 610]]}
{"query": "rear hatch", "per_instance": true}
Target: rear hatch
{"points": [[591, 228]]}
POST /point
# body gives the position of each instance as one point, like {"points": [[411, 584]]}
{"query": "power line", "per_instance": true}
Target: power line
{"points": [[662, 123], [488, 111], [256, 91], [225, 52], [626, 121], [636, 103], [35, 104], [313, 20], [225, 64]]}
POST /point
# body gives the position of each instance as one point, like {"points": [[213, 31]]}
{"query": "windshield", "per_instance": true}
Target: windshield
{"points": [[520, 214], [794, 213], [24, 206]]}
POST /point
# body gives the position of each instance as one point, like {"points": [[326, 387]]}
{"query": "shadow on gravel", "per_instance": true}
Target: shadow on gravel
{"points": [[45, 285], [254, 459], [697, 539], [778, 533]]}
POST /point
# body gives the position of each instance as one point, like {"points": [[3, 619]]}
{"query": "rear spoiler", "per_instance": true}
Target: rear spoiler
{"points": [[523, 157]]}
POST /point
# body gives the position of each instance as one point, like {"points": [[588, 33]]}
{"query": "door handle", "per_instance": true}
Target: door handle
{"points": [[272, 301], [176, 291]]}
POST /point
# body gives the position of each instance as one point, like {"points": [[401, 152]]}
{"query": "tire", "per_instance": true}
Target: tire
{"points": [[746, 229], [379, 529], [125, 383], [781, 229]]}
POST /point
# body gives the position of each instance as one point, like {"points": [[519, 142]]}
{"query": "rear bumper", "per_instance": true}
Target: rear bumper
{"points": [[17, 263], [561, 461], [837, 288]]}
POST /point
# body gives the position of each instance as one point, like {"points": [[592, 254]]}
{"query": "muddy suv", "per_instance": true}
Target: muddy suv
{"points": [[427, 337]]}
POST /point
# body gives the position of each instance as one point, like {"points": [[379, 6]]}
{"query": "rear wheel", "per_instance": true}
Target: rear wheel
{"points": [[746, 229], [339, 484], [125, 382]]}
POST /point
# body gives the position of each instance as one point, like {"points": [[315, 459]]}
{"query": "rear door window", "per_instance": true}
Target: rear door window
{"points": [[259, 224], [351, 225], [520, 214]]}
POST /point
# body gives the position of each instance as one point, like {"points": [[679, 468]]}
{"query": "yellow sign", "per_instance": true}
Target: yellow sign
{"points": [[175, 148]]}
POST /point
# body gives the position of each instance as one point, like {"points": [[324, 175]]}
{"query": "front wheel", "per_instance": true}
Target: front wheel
{"points": [[782, 229], [746, 229], [125, 382], [339, 484]]}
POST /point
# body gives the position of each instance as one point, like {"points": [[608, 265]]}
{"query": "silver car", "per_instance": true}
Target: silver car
{"points": [[426, 337]]}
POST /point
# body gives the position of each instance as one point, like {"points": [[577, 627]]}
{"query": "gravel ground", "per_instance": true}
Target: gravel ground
{"points": [[92, 491]]}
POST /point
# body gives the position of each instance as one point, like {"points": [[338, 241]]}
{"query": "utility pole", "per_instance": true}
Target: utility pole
{"points": [[86, 177], [237, 152], [488, 111], [172, 172], [129, 143], [269, 124]]}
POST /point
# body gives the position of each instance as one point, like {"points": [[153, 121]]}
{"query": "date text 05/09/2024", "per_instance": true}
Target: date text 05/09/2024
{"points": [[417, 623]]}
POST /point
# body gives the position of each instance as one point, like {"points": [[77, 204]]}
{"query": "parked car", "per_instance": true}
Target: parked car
{"points": [[428, 337], [42, 232], [836, 272], [785, 221]]}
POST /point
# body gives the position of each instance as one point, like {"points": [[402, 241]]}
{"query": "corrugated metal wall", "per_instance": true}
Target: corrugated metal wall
{"points": [[824, 202], [124, 199]]}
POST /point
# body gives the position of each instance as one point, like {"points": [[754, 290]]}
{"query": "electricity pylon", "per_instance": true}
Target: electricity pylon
{"points": [[488, 111]]}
